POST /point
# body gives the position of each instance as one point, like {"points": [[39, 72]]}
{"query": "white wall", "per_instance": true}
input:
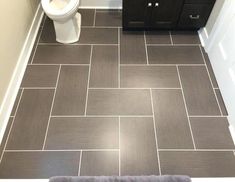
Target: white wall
{"points": [[101, 3]]}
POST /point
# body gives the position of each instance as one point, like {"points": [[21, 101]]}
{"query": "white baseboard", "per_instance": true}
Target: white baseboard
{"points": [[203, 35], [100, 7], [12, 90], [101, 4], [232, 132]]}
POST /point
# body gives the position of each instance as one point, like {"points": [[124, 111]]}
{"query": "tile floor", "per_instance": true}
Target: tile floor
{"points": [[117, 103]]}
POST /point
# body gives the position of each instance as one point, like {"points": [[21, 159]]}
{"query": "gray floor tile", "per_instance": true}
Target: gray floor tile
{"points": [[149, 76], [31, 120], [199, 95], [221, 102], [35, 165], [138, 147], [174, 55], [63, 54], [172, 125], [83, 133], [109, 18], [99, 36], [211, 72], [198, 164], [4, 139], [71, 91], [48, 32], [88, 16], [185, 37], [40, 76], [119, 102], [104, 67], [211, 133], [158, 37], [13, 112], [106, 164], [132, 47]]}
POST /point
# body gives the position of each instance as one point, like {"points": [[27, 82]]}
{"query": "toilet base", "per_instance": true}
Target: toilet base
{"points": [[69, 31]]}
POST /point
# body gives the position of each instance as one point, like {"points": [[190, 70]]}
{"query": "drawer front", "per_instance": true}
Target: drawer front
{"points": [[194, 16], [200, 1]]}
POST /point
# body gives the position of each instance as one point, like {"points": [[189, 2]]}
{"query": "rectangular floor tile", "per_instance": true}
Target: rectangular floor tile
{"points": [[106, 164], [211, 72], [48, 32], [198, 164], [174, 55], [172, 125], [109, 18], [211, 133], [119, 102], [63, 54], [99, 36], [13, 112], [40, 76], [185, 37], [31, 120], [199, 94], [221, 102], [149, 76], [83, 133], [104, 67], [88, 16], [138, 147], [132, 47], [158, 37], [39, 165], [71, 91]]}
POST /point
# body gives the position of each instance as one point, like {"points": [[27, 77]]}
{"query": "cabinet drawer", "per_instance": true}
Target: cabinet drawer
{"points": [[199, 1], [194, 16]]}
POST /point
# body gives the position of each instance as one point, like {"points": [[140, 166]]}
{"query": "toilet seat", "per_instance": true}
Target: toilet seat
{"points": [[69, 8]]}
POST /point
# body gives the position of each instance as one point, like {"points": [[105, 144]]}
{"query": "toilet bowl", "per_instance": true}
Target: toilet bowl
{"points": [[66, 19]]}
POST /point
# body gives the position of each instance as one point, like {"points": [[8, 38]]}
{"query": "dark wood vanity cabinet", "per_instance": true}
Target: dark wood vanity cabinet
{"points": [[166, 14]]}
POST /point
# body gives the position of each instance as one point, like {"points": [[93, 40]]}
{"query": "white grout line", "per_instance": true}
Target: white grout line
{"points": [[119, 60], [94, 19], [42, 64], [80, 164], [146, 51], [74, 44], [88, 80], [8, 135], [126, 88], [155, 132], [42, 88], [52, 104], [174, 45], [163, 65], [39, 36], [221, 113], [206, 116], [171, 38], [67, 150], [102, 116], [197, 150], [186, 109], [119, 138]]}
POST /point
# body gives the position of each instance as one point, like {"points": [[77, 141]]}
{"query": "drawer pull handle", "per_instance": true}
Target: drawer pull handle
{"points": [[149, 4], [156, 4], [194, 17]]}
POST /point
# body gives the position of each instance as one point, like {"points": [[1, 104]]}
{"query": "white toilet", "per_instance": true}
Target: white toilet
{"points": [[67, 20]]}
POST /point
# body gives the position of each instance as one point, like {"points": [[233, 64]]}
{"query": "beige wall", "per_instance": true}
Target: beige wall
{"points": [[15, 20], [214, 14]]}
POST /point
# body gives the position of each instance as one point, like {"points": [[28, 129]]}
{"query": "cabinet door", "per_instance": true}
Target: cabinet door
{"points": [[136, 13], [166, 13]]}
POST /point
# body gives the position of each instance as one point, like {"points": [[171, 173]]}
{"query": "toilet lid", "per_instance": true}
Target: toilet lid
{"points": [[59, 4]]}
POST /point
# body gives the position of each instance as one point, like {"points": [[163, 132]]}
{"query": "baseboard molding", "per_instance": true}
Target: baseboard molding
{"points": [[203, 35], [232, 132], [100, 7], [12, 90]]}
